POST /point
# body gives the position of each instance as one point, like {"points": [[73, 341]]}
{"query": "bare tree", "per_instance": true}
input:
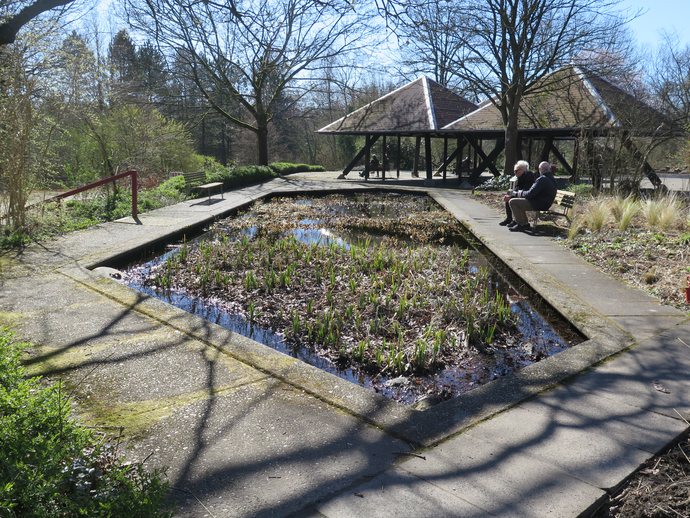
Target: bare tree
{"points": [[428, 43], [508, 47], [670, 79], [249, 54]]}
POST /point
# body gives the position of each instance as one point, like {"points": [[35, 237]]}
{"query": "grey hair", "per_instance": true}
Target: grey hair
{"points": [[522, 164], [544, 167]]}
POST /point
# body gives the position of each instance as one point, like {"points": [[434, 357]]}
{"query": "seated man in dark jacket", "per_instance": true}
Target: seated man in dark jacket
{"points": [[538, 197], [525, 179]]}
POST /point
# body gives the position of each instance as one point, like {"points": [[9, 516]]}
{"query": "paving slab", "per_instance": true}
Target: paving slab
{"points": [[642, 328], [652, 375], [502, 480], [162, 365], [591, 457], [572, 407], [399, 493], [546, 253], [262, 449]]}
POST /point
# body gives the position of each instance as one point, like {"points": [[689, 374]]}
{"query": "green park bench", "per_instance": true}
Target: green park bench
{"points": [[192, 180]]}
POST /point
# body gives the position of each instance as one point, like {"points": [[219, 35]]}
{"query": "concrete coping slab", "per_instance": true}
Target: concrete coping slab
{"points": [[417, 427]]}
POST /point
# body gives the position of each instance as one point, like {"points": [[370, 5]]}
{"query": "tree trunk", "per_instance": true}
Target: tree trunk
{"points": [[512, 142], [262, 138]]}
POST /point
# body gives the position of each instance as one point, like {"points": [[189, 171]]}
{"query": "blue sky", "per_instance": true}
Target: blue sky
{"points": [[660, 14]]}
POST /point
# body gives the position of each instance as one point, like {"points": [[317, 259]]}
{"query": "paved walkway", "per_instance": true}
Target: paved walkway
{"points": [[249, 432]]}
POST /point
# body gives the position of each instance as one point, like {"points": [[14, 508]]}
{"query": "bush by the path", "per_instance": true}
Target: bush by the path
{"points": [[53, 467], [76, 214]]}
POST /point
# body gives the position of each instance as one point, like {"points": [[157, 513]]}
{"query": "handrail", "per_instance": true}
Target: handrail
{"points": [[131, 173]]}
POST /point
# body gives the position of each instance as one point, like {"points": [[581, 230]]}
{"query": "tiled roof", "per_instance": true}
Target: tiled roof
{"points": [[421, 105], [570, 98]]}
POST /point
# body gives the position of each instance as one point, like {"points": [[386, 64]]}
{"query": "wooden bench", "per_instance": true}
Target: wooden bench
{"points": [[200, 176], [562, 205]]}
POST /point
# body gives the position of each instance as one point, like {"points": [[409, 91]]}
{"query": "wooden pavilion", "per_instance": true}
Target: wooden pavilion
{"points": [[418, 109], [571, 105]]}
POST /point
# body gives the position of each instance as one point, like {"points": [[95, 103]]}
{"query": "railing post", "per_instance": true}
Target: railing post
{"points": [[134, 195]]}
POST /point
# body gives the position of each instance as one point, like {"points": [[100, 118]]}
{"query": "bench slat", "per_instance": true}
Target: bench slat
{"points": [[562, 203], [200, 176]]}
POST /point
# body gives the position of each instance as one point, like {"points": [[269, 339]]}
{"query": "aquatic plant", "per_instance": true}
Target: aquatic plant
{"points": [[391, 304]]}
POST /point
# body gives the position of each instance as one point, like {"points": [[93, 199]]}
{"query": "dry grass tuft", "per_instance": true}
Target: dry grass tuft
{"points": [[596, 214], [624, 210], [663, 212]]}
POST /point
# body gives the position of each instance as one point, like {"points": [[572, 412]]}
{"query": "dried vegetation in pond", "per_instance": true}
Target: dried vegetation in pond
{"points": [[398, 305]]}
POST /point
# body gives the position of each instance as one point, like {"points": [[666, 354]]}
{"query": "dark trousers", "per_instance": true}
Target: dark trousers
{"points": [[509, 213], [520, 206]]}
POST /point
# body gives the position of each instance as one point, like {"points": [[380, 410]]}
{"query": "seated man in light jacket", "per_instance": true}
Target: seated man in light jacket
{"points": [[538, 197], [525, 179]]}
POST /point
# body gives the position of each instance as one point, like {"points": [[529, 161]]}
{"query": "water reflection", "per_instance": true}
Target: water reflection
{"points": [[537, 337]]}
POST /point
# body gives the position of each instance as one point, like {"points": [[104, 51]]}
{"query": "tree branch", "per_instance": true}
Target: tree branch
{"points": [[10, 27]]}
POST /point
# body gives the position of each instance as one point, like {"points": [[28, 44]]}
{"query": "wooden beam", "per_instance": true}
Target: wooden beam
{"points": [[417, 145], [561, 158], [487, 161], [548, 143], [445, 154], [384, 159], [458, 154], [646, 168], [358, 156], [448, 161]]}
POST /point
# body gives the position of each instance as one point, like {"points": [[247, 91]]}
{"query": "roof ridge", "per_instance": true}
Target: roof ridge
{"points": [[597, 96], [429, 103]]}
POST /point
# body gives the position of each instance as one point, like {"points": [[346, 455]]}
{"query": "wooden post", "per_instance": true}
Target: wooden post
{"points": [[427, 151], [397, 160], [367, 158], [445, 155], [576, 157], [458, 160], [384, 155], [417, 145]]}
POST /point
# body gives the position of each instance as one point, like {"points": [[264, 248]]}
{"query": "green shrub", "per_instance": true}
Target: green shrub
{"points": [[169, 192], [103, 207], [53, 467], [14, 238], [582, 190], [234, 177], [497, 183], [283, 168]]}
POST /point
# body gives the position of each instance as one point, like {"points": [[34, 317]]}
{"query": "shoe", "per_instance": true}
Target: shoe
{"points": [[512, 224], [519, 228], [505, 222]]}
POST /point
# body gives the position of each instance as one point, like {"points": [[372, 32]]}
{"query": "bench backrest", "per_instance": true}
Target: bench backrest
{"points": [[199, 176], [565, 199]]}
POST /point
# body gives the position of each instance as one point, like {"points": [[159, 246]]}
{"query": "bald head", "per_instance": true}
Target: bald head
{"points": [[544, 167]]}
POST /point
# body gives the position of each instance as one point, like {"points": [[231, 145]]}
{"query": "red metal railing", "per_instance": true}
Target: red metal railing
{"points": [[132, 173]]}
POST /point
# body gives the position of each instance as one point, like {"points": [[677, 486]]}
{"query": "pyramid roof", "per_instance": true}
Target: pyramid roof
{"points": [[420, 106], [570, 98]]}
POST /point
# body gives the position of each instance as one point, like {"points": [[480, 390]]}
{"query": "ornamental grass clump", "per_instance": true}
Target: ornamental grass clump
{"points": [[596, 214], [624, 209], [663, 212]]}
